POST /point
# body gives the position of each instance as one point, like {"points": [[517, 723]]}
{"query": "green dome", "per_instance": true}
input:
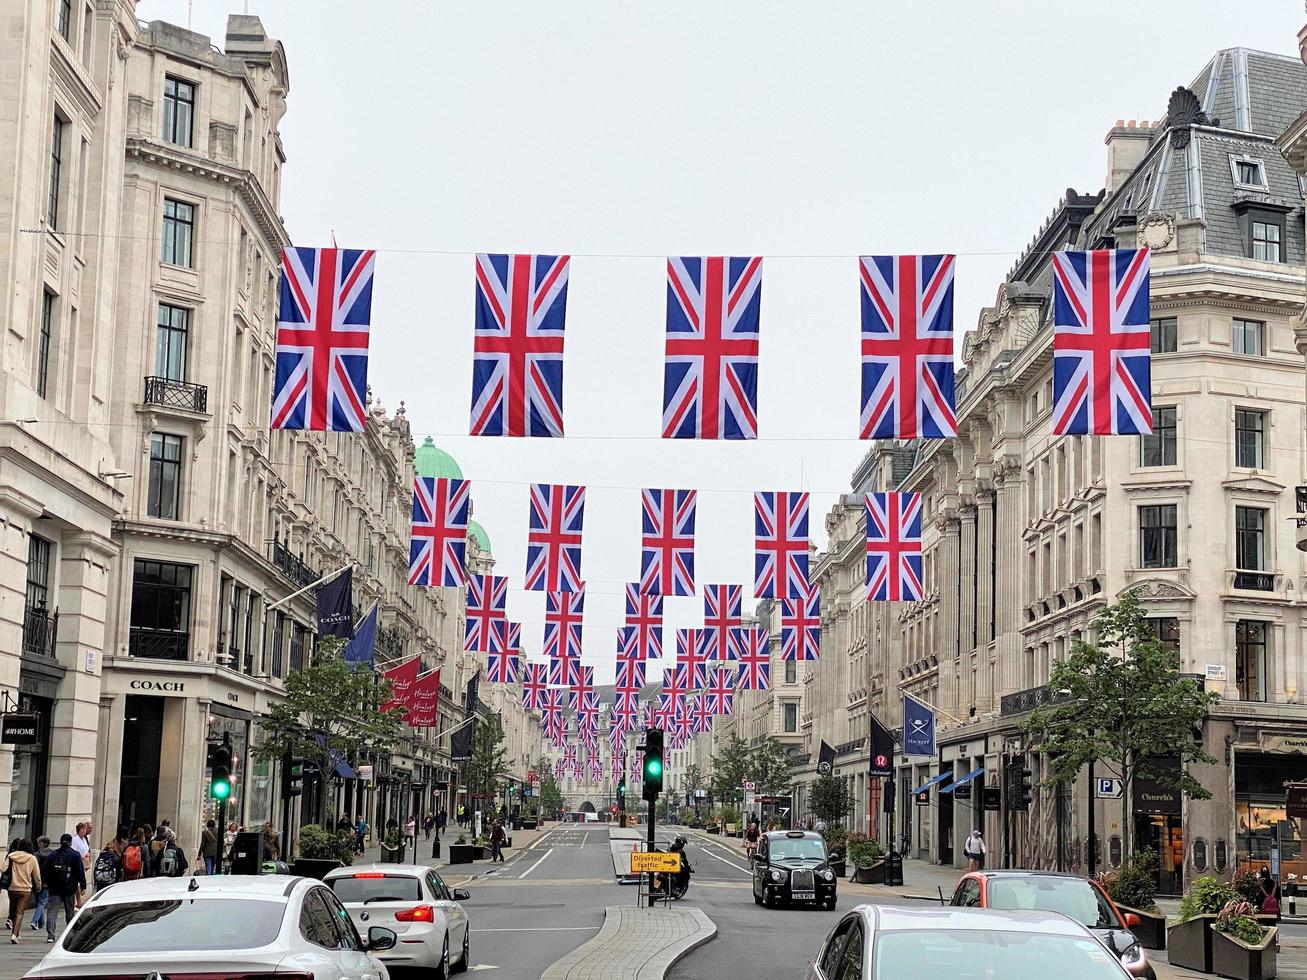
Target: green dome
{"points": [[432, 462], [478, 533]]}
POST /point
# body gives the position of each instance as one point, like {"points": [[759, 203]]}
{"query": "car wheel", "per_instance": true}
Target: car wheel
{"points": [[757, 899], [442, 970], [830, 904], [768, 900], [465, 960]]}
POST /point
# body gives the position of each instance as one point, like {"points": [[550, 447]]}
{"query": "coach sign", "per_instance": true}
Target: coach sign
{"points": [[19, 728]]}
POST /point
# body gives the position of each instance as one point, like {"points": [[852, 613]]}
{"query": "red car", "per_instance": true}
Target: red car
{"points": [[1078, 898]]}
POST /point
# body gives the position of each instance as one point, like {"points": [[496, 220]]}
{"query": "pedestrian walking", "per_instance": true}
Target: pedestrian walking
{"points": [[208, 852], [271, 842], [440, 821], [428, 824], [360, 836], [21, 877], [973, 849], [411, 832], [136, 857], [497, 839], [82, 842], [64, 878], [170, 860], [43, 850], [108, 868]]}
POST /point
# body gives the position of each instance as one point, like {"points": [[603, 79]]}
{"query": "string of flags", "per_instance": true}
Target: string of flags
{"points": [[1101, 386]]}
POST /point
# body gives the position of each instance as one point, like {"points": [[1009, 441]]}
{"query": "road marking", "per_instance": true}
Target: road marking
{"points": [[724, 861], [482, 966], [545, 929], [537, 864]]}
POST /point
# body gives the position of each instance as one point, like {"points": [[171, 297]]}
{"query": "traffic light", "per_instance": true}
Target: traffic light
{"points": [[1027, 788], [512, 789], [621, 792], [292, 776], [219, 772], [653, 763]]}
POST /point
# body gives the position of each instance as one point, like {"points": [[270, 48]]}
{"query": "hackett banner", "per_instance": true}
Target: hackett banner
{"points": [[918, 728]]}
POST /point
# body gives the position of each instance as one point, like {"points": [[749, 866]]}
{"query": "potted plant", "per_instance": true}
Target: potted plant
{"points": [[1242, 948], [1132, 888], [461, 852], [392, 848], [320, 851], [836, 839], [1189, 941], [868, 857]]}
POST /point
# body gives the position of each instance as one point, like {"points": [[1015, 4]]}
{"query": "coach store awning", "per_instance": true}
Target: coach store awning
{"points": [[931, 782], [963, 779]]}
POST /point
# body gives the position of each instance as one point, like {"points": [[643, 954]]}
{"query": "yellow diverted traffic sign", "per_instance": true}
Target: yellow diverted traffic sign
{"points": [[655, 862]]}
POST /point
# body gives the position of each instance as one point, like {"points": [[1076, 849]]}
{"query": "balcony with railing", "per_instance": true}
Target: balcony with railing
{"points": [[291, 566], [39, 630], [177, 394], [152, 644]]}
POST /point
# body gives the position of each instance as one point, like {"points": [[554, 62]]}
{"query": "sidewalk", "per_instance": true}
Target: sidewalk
{"points": [[635, 944]]}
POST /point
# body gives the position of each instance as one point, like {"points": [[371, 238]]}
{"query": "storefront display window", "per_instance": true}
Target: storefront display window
{"points": [[1263, 833], [27, 795]]}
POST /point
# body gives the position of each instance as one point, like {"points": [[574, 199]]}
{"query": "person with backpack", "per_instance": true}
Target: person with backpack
{"points": [[136, 859], [64, 876], [209, 848], [43, 850], [170, 860], [108, 868], [21, 878]]}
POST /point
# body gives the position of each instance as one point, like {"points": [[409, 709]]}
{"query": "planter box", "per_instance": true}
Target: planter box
{"points": [[871, 875], [392, 856], [463, 853], [714, 829], [839, 867], [1189, 944], [529, 824], [1151, 931], [316, 868], [1236, 959]]}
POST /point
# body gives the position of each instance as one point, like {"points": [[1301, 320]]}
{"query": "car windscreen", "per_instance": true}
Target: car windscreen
{"points": [[163, 926], [786, 848], [968, 953], [1073, 897], [367, 888]]}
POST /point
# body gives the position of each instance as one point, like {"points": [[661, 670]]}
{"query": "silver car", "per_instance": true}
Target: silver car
{"points": [[888, 942]]}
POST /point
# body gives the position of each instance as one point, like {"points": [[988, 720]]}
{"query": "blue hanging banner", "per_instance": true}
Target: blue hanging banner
{"points": [[918, 728]]}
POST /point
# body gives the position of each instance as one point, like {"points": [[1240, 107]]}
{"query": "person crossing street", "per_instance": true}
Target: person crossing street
{"points": [[65, 879]]}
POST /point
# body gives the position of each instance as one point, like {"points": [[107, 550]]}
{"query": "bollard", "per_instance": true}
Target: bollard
{"points": [[435, 846]]}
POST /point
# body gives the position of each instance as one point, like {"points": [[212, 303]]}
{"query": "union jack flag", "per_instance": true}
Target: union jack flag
{"points": [[894, 547], [676, 681], [578, 767], [720, 694], [501, 668], [689, 654], [628, 646], [596, 767], [780, 545], [615, 766], [582, 684], [722, 618], [438, 542], [563, 613], [801, 627], [667, 542], [323, 324], [487, 597], [626, 709], [534, 683], [551, 715], [700, 714], [517, 366], [665, 713], [907, 347], [755, 660], [553, 541], [685, 725], [560, 770], [644, 613], [587, 712], [710, 384], [1101, 366], [630, 676], [564, 671], [637, 764]]}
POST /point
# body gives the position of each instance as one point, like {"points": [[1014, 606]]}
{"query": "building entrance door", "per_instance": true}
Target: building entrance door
{"points": [[1165, 836], [138, 787]]}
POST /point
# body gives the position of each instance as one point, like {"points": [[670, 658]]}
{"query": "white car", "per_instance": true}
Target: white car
{"points": [[221, 926], [412, 900]]}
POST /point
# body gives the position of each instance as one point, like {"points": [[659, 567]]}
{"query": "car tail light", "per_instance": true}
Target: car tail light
{"points": [[419, 913], [369, 874]]}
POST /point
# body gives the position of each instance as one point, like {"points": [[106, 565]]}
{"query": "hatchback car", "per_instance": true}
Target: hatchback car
{"points": [[235, 926], [886, 942], [413, 901], [1083, 899], [792, 866]]}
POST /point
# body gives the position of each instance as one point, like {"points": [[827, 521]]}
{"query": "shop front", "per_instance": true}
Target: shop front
{"points": [[1158, 827], [30, 742], [1265, 836]]}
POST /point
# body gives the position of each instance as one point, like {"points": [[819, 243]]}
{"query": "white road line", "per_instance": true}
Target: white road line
{"points": [[724, 861], [545, 929], [537, 864]]}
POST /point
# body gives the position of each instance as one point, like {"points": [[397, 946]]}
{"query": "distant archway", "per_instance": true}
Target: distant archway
{"points": [[587, 807]]}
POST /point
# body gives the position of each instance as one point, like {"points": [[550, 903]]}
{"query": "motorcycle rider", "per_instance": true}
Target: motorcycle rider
{"points": [[681, 881]]}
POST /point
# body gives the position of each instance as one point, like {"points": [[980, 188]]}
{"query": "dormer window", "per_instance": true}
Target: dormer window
{"points": [[1262, 228], [1248, 172]]}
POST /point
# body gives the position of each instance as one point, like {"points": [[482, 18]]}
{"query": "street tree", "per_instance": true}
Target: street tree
{"points": [[330, 711], [729, 770], [769, 767], [1122, 702], [829, 799], [551, 797], [692, 779], [489, 762]]}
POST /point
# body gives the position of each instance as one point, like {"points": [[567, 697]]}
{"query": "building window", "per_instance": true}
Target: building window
{"points": [[1250, 659], [790, 720], [1249, 172], [66, 20], [1157, 537], [1249, 337], [44, 342], [161, 610], [1166, 630], [56, 172], [170, 342], [1250, 539], [1266, 241], [1249, 431], [1162, 335], [1158, 449], [791, 672], [38, 623], [178, 111], [165, 476], [178, 226]]}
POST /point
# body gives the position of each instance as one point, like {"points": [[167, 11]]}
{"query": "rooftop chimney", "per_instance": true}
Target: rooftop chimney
{"points": [[1127, 142]]}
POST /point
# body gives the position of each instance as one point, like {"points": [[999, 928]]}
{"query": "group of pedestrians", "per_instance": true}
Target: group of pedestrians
{"points": [[46, 879]]}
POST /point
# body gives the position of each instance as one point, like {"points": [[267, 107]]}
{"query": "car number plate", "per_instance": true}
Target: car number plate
{"points": [[801, 895]]}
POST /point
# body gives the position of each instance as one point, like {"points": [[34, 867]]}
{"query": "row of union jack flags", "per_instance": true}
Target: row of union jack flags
{"points": [[1101, 367]]}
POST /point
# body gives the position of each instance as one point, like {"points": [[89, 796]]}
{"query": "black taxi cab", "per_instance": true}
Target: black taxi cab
{"points": [[792, 866]]}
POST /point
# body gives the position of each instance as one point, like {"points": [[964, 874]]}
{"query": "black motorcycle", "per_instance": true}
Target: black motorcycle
{"points": [[680, 881]]}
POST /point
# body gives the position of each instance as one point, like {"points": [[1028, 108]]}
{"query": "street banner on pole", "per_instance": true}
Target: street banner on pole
{"points": [[826, 759], [918, 728], [335, 605]]}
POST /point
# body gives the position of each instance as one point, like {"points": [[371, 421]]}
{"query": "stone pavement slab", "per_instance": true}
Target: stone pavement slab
{"points": [[635, 944]]}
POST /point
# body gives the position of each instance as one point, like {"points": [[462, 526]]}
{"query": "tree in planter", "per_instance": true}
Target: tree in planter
{"points": [[489, 762], [769, 767], [1124, 704], [730, 769], [330, 711], [830, 800]]}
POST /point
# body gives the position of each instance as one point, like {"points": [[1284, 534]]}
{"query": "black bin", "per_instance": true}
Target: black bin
{"points": [[247, 854], [894, 868]]}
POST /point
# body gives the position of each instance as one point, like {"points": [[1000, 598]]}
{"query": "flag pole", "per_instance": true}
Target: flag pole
{"points": [[927, 704], [312, 585], [375, 604]]}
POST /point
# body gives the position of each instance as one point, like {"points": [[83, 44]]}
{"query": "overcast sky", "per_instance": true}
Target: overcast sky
{"points": [[621, 132]]}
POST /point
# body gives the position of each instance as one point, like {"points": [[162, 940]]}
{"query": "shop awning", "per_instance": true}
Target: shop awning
{"points": [[931, 782], [963, 779], [345, 770]]}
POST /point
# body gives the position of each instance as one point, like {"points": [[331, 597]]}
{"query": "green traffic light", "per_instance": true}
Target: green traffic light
{"points": [[220, 789], [654, 767]]}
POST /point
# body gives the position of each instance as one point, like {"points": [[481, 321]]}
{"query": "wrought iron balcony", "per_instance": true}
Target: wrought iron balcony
{"points": [[177, 394], [1255, 581], [154, 644], [39, 629], [291, 566]]}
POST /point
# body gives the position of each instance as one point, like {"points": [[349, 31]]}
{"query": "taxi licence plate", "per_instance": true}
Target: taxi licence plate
{"points": [[799, 896]]}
